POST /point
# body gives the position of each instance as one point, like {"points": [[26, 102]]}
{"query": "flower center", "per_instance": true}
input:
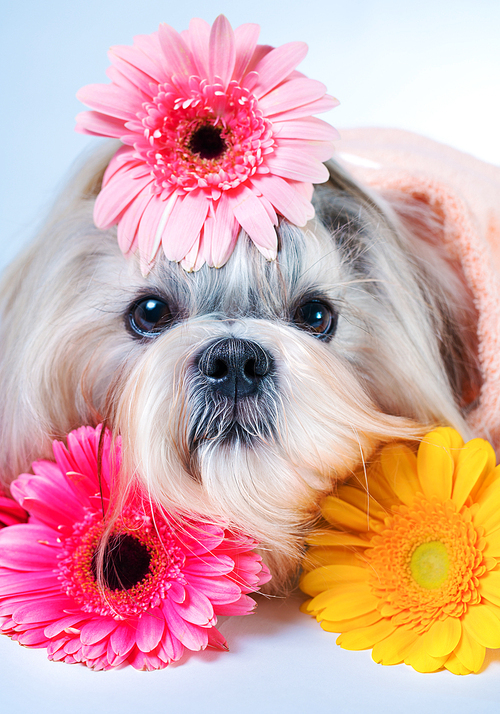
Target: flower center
{"points": [[430, 564], [426, 562], [207, 142], [126, 562]]}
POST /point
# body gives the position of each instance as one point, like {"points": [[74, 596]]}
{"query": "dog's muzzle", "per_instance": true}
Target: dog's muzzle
{"points": [[234, 367]]}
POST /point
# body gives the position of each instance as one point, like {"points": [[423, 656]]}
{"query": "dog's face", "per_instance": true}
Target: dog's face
{"points": [[243, 393]]}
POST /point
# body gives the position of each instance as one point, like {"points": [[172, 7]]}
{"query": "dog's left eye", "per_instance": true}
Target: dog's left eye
{"points": [[149, 316], [317, 318]]}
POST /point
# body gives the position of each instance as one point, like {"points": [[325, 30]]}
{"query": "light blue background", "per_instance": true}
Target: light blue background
{"points": [[431, 66]]}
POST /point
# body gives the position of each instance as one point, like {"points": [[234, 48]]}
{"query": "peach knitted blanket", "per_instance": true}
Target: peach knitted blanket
{"points": [[466, 192]]}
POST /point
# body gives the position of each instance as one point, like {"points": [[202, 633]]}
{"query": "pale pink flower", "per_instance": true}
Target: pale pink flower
{"points": [[165, 582], [218, 135]]}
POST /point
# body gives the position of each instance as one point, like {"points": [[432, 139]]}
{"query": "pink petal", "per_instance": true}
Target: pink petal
{"points": [[244, 606], [32, 638], [196, 608], [305, 110], [253, 218], [179, 63], [112, 100], [194, 259], [198, 37], [221, 234], [40, 611], [98, 124], [120, 190], [150, 628], [20, 549], [310, 128], [284, 198], [296, 165], [216, 641], [319, 150], [145, 54], [218, 590], [123, 639], [290, 95], [146, 662], [209, 565], [221, 51], [191, 636], [277, 65], [140, 80], [170, 648], [11, 512], [97, 629], [154, 215], [57, 627], [246, 37], [26, 582], [184, 224], [128, 226]]}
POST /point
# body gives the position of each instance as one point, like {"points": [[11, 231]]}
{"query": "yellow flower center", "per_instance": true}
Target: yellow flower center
{"points": [[430, 564], [426, 562]]}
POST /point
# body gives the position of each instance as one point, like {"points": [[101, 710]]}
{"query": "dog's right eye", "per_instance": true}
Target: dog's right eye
{"points": [[148, 317]]}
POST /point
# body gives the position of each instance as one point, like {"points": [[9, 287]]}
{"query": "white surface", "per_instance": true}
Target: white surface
{"points": [[431, 66]]}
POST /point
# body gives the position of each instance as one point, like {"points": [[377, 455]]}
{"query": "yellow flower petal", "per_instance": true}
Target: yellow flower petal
{"points": [[454, 665], [488, 513], [317, 557], [482, 625], [470, 652], [419, 658], [475, 459], [492, 548], [377, 485], [452, 438], [485, 483], [489, 586], [363, 501], [345, 625], [364, 637], [435, 466], [305, 607], [443, 636], [354, 602], [330, 576], [336, 538], [399, 465], [394, 648], [344, 514]]}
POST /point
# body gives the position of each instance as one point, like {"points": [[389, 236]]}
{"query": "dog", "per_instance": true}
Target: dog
{"points": [[246, 392]]}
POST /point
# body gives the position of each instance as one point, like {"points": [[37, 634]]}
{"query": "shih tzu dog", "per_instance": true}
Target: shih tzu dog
{"points": [[243, 393]]}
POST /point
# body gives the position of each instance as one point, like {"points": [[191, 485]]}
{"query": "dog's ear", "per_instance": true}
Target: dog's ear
{"points": [[87, 181]]}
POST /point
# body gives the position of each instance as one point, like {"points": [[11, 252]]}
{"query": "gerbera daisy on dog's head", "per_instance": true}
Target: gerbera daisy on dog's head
{"points": [[218, 136]]}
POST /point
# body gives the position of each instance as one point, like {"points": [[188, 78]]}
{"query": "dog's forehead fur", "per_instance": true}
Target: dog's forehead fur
{"points": [[248, 285]]}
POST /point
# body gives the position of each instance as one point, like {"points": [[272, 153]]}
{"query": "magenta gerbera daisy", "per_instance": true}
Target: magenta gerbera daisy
{"points": [[218, 135], [11, 512], [155, 590]]}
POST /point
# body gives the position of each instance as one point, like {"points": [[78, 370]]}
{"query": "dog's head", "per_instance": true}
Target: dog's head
{"points": [[245, 392]]}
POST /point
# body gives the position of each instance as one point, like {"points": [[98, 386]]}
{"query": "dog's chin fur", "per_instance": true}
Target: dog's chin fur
{"points": [[402, 358]]}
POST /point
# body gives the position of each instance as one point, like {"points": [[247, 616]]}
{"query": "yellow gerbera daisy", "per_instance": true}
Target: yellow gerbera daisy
{"points": [[412, 570]]}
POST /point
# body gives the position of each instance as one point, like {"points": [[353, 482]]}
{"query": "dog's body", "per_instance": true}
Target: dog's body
{"points": [[243, 393]]}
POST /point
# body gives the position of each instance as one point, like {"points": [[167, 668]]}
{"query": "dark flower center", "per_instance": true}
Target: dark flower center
{"points": [[207, 142], [126, 562]]}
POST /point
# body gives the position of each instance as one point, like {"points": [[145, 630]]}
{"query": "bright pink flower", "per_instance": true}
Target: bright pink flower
{"points": [[218, 135], [164, 585]]}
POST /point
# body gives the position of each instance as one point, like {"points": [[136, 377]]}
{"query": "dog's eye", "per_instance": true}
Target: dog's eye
{"points": [[317, 318], [149, 316]]}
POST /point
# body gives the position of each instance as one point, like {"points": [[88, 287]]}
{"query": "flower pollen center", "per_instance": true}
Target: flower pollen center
{"points": [[430, 564], [126, 562], [207, 142]]}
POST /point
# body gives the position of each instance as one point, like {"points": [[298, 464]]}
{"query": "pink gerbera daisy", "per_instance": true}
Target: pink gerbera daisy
{"points": [[11, 512], [163, 582], [218, 135]]}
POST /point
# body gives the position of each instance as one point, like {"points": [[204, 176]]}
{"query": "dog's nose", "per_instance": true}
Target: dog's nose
{"points": [[235, 367]]}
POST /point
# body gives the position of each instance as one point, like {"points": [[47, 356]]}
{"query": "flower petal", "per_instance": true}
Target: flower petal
{"points": [[443, 636], [290, 95], [199, 34], [489, 586], [474, 460], [97, 629], [488, 513], [394, 648], [352, 602], [399, 465], [419, 658], [335, 538], [184, 224], [435, 466], [179, 63], [221, 51], [246, 37], [275, 66], [363, 638], [329, 576], [346, 625], [283, 196], [344, 514], [469, 652], [98, 124], [482, 625], [310, 128], [253, 218], [111, 100], [296, 165], [150, 628]]}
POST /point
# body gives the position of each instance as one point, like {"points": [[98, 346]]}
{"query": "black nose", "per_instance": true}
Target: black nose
{"points": [[235, 367]]}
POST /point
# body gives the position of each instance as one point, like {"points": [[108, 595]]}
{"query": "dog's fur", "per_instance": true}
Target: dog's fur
{"points": [[402, 359]]}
